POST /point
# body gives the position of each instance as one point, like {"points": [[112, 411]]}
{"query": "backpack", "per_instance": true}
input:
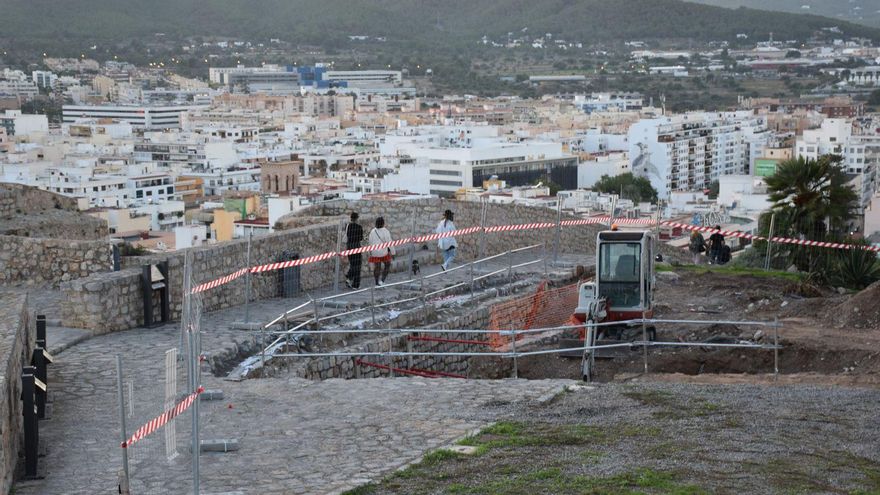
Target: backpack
{"points": [[725, 254]]}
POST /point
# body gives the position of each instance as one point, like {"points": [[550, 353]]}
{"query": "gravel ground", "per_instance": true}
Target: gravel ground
{"points": [[668, 438]]}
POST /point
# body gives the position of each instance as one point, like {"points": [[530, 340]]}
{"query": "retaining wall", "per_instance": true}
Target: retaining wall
{"points": [[16, 347]]}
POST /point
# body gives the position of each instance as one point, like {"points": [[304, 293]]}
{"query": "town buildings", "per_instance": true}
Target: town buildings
{"points": [[687, 152]]}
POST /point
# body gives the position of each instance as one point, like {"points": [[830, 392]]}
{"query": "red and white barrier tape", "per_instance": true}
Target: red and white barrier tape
{"points": [[513, 228], [161, 420]]}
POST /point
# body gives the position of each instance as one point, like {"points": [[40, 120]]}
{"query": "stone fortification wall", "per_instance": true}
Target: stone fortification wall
{"points": [[45, 241], [104, 302], [50, 262], [216, 260], [55, 224], [16, 346], [17, 199], [113, 301], [405, 218]]}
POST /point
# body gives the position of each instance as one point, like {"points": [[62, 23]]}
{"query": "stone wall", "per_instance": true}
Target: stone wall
{"points": [[55, 224], [49, 262], [113, 301], [104, 302], [16, 346], [16, 199], [216, 260], [405, 218]]}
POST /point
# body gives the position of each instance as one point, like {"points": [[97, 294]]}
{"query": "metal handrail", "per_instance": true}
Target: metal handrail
{"points": [[412, 280], [514, 354], [513, 331]]}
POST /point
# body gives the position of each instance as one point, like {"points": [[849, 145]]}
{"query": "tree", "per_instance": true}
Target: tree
{"points": [[812, 200], [812, 196], [628, 186]]}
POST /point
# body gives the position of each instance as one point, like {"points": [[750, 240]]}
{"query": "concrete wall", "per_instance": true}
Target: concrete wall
{"points": [[16, 346], [49, 262]]}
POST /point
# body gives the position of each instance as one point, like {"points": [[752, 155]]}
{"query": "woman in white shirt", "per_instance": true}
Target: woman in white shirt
{"points": [[447, 245], [380, 256]]}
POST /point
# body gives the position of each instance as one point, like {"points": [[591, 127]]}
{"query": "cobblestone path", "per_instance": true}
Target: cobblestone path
{"points": [[295, 436]]}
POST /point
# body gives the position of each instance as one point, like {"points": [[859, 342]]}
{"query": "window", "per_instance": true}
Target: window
{"points": [[454, 173], [619, 274], [446, 183]]}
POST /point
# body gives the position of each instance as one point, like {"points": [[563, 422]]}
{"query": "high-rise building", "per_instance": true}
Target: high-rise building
{"points": [[687, 152]]}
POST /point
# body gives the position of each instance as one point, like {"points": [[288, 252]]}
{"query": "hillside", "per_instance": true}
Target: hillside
{"points": [[450, 22], [865, 12]]}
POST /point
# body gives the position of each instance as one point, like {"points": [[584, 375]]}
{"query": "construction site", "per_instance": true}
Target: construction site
{"points": [[548, 358]]}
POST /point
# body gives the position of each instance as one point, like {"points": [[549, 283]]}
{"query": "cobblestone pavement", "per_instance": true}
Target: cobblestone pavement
{"points": [[295, 436]]}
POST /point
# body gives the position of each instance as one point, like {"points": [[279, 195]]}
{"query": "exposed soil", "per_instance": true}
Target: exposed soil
{"points": [[665, 438], [826, 339]]}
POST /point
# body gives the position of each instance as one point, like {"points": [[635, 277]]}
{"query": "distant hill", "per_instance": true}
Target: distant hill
{"points": [[440, 22], [865, 12]]}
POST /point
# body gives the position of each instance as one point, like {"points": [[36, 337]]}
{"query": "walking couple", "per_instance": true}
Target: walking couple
{"points": [[381, 257]]}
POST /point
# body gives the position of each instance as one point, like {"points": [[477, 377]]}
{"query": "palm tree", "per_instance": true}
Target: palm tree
{"points": [[812, 197]]}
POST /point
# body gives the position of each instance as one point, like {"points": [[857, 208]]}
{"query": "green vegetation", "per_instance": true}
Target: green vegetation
{"points": [[814, 201], [628, 186], [811, 197], [866, 16], [732, 270], [327, 23]]}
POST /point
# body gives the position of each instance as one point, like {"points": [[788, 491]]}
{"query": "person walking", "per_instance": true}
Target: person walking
{"points": [[447, 245], [716, 245], [381, 257], [697, 246], [354, 234]]}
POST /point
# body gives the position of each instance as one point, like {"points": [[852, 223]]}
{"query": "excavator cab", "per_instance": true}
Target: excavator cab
{"points": [[622, 290], [625, 273]]}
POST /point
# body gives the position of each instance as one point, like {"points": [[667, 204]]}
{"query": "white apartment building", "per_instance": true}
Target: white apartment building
{"points": [[19, 124], [165, 216], [830, 138], [242, 177], [44, 78], [140, 117], [16, 83], [440, 160], [610, 164], [860, 153], [80, 181], [185, 152], [155, 187], [687, 152]]}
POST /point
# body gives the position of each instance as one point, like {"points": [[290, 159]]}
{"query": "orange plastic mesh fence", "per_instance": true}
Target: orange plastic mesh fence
{"points": [[547, 307]]}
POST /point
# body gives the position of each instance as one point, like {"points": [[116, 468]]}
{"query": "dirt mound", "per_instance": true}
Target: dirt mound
{"points": [[861, 311]]}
